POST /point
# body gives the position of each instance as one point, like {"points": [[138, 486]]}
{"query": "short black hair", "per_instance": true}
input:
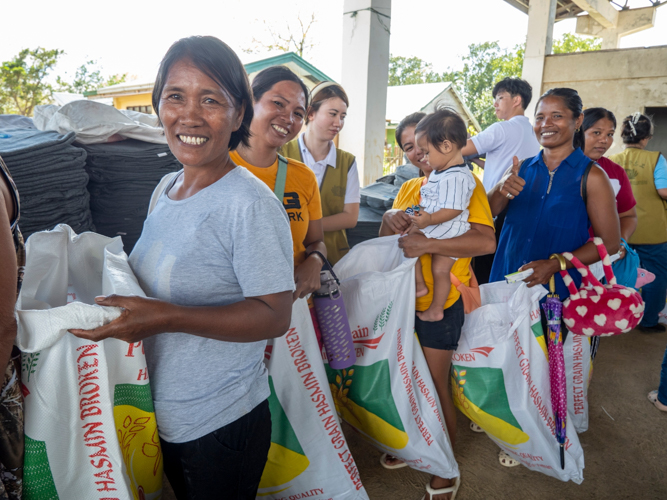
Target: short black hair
{"points": [[268, 77], [573, 102], [514, 87], [408, 121], [636, 128], [593, 115], [444, 124], [218, 61]]}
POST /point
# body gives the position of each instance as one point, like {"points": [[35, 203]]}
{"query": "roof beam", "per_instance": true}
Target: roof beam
{"points": [[600, 10], [522, 5], [629, 21]]}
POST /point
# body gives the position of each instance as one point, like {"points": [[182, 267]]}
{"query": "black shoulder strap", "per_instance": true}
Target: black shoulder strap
{"points": [[584, 182]]}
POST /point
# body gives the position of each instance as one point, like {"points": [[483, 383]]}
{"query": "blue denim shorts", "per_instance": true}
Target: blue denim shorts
{"points": [[444, 334]]}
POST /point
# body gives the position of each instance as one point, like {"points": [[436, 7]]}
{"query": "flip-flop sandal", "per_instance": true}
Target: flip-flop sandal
{"points": [[507, 461], [383, 462], [443, 491], [653, 398], [475, 428]]}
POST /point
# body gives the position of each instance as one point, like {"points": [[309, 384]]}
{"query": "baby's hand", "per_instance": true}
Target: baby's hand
{"points": [[422, 220]]}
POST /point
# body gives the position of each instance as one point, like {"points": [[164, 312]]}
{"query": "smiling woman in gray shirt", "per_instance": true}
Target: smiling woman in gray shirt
{"points": [[213, 300]]}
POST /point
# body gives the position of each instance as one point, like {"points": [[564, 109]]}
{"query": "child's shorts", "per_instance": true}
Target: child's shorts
{"points": [[444, 334]]}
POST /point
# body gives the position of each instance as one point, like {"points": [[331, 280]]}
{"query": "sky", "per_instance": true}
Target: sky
{"points": [[132, 36]]}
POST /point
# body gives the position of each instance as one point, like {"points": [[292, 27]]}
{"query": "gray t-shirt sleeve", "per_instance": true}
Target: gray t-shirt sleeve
{"points": [[262, 258]]}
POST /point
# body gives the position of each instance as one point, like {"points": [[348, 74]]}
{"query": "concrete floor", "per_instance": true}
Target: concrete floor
{"points": [[625, 451]]}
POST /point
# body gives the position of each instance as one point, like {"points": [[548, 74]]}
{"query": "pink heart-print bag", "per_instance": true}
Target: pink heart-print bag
{"points": [[597, 309]]}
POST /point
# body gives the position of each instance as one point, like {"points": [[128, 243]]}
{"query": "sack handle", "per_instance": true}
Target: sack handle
{"points": [[457, 282], [586, 274]]}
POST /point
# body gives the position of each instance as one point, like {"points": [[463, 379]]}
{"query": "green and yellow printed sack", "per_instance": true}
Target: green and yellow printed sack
{"points": [[388, 395], [90, 429], [500, 380]]}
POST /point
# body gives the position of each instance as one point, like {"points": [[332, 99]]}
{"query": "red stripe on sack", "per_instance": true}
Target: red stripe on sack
{"points": [[371, 343], [485, 351]]}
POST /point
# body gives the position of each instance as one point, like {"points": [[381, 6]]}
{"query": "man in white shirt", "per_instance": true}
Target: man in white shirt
{"points": [[514, 136]]}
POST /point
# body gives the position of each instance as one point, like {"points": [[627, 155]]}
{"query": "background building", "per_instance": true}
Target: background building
{"points": [[622, 80]]}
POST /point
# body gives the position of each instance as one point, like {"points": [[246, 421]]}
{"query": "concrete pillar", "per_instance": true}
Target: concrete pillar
{"points": [[628, 22], [541, 17], [365, 71]]}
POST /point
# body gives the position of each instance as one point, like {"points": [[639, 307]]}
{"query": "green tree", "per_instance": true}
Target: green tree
{"points": [[413, 70], [88, 77], [23, 80], [483, 66], [116, 79], [573, 43], [486, 63]]}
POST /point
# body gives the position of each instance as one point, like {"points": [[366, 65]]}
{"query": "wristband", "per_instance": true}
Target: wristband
{"points": [[319, 254]]}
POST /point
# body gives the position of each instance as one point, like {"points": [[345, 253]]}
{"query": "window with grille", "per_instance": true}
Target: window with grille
{"points": [[142, 109]]}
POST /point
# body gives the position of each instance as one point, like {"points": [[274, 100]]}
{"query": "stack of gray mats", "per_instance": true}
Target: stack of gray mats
{"points": [[375, 200], [50, 176], [123, 176], [16, 121]]}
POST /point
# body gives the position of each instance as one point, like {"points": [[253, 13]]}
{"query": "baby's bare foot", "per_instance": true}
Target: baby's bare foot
{"points": [[431, 314]]}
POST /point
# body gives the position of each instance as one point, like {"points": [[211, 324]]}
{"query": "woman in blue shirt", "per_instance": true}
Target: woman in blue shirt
{"points": [[550, 209], [552, 200]]}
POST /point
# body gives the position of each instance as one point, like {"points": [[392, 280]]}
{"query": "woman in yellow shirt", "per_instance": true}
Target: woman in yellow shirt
{"points": [[280, 103], [438, 339]]}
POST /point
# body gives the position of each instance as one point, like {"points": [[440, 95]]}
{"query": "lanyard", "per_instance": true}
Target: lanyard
{"points": [[281, 177]]}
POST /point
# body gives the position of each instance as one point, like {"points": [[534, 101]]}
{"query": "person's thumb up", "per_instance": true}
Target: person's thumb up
{"points": [[513, 184]]}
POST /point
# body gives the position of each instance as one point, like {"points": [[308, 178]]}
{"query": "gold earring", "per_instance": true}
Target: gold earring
{"points": [[577, 130]]}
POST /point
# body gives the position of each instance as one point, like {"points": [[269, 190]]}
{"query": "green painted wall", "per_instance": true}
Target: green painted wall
{"points": [[391, 137]]}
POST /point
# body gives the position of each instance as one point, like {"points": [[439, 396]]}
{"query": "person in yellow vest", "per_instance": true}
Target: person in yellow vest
{"points": [[280, 103], [335, 169], [647, 171]]}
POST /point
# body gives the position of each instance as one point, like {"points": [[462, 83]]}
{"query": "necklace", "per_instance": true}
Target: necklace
{"points": [[551, 179]]}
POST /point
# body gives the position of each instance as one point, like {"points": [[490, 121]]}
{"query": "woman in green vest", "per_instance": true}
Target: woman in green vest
{"points": [[335, 169], [647, 171]]}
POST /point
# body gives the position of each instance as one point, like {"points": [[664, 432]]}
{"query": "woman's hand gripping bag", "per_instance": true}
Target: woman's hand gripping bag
{"points": [[388, 395], [596, 309], [90, 429], [309, 456], [500, 380]]}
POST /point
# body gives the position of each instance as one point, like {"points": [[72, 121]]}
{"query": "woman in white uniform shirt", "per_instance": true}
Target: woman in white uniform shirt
{"points": [[335, 169]]}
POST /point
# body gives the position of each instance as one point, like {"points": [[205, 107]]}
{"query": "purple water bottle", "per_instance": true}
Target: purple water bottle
{"points": [[332, 317]]}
